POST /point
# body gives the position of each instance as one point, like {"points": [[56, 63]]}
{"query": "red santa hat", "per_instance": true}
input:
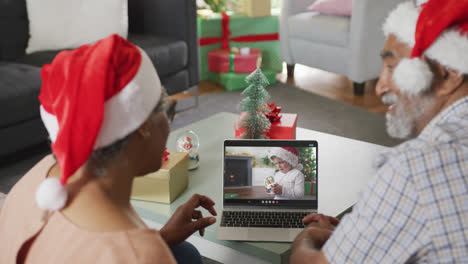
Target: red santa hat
{"points": [[435, 28], [288, 154], [90, 98]]}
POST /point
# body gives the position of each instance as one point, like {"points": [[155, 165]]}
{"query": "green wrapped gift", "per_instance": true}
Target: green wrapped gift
{"points": [[236, 81], [307, 187], [228, 31], [310, 188]]}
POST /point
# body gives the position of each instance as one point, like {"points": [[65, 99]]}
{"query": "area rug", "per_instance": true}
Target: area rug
{"points": [[314, 112]]}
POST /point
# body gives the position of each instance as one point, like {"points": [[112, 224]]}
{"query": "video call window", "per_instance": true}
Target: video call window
{"points": [[270, 173]]}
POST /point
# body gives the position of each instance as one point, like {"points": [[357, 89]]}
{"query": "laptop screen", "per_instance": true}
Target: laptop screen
{"points": [[271, 173]]}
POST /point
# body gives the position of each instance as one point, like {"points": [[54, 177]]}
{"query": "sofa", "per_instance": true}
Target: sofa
{"points": [[166, 30], [349, 46]]}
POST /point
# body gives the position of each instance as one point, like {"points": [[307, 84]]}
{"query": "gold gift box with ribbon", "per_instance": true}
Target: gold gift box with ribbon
{"points": [[166, 184]]}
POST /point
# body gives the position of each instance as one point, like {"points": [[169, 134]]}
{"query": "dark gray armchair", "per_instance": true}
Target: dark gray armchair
{"points": [[165, 29]]}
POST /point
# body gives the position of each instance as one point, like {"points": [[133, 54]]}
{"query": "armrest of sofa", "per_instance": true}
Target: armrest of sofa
{"points": [[289, 8], [171, 18], [367, 38]]}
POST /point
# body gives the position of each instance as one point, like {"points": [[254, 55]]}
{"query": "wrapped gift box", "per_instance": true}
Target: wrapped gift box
{"points": [[220, 60], [257, 8], [166, 184], [236, 81], [283, 129], [239, 31], [310, 187]]}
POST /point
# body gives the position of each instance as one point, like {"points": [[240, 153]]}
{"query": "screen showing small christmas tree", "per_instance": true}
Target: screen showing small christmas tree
{"points": [[270, 173]]}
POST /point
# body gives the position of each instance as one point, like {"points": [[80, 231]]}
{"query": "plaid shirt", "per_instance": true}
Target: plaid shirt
{"points": [[416, 208]]}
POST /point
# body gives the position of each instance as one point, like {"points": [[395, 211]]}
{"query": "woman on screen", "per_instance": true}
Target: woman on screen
{"points": [[289, 180]]}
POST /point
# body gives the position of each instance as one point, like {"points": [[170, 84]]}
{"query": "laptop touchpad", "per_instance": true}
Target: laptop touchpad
{"points": [[259, 234]]}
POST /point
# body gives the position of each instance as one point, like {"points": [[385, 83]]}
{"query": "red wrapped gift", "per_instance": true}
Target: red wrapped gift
{"points": [[220, 60], [285, 128]]}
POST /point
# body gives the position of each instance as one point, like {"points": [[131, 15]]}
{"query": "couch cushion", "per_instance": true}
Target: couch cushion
{"points": [[168, 55], [39, 58], [325, 29], [13, 29], [19, 88]]}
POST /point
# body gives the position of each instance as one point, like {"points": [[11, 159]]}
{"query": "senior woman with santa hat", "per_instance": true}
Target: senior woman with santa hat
{"points": [[104, 108]]}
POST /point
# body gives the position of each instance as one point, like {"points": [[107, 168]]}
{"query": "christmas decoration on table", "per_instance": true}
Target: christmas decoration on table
{"points": [[269, 182], [282, 126], [166, 154], [254, 123], [272, 112], [166, 184], [243, 60], [188, 142], [228, 30]]}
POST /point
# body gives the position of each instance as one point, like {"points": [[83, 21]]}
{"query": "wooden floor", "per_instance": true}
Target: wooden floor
{"points": [[315, 81]]}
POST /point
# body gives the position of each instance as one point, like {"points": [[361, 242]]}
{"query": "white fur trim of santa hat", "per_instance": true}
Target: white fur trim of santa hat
{"points": [[124, 112], [401, 22], [412, 76], [285, 155], [449, 49], [51, 195]]}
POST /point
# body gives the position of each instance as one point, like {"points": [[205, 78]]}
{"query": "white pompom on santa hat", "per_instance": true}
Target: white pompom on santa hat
{"points": [[288, 154], [91, 97], [437, 29]]}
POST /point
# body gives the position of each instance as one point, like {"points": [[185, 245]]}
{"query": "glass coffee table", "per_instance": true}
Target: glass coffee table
{"points": [[344, 168]]}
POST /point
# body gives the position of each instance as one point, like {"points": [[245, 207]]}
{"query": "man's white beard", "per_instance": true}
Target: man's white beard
{"points": [[402, 123], [413, 78]]}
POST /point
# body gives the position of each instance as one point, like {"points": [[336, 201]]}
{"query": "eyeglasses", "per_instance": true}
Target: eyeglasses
{"points": [[169, 107]]}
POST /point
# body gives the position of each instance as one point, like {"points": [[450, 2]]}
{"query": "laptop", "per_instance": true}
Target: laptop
{"points": [[255, 207]]}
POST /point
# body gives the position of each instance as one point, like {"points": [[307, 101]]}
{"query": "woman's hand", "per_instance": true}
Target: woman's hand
{"points": [[277, 189], [186, 220], [321, 220]]}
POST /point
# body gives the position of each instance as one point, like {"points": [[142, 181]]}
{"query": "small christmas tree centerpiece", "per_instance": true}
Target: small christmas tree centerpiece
{"points": [[254, 122]]}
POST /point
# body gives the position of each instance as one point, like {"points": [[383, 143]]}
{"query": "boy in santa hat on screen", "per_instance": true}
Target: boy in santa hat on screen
{"points": [[416, 207], [289, 180]]}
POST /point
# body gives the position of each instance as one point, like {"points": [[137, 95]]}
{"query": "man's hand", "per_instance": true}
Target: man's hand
{"points": [[181, 225], [277, 189], [307, 245], [321, 220]]}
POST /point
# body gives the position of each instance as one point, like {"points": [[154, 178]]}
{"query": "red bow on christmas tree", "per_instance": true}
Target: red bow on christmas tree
{"points": [[273, 112], [166, 154]]}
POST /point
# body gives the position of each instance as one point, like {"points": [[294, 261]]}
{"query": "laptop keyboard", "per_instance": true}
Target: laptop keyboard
{"points": [[263, 219]]}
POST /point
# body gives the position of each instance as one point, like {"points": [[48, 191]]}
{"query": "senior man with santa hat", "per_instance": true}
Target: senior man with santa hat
{"points": [[416, 207]]}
